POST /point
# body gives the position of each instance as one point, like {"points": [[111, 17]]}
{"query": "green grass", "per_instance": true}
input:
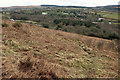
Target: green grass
{"points": [[28, 12], [79, 63], [33, 22], [7, 16], [109, 15], [112, 15], [115, 23]]}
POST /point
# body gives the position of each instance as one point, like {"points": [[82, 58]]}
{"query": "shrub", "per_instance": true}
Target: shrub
{"points": [[4, 25], [89, 24], [65, 30], [17, 24], [24, 18], [58, 27], [82, 16], [104, 31], [45, 25], [98, 27], [73, 24], [113, 36], [92, 34], [56, 21], [67, 23], [94, 30], [25, 64]]}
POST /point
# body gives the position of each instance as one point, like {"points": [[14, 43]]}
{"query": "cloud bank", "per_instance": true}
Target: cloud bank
{"points": [[89, 3]]}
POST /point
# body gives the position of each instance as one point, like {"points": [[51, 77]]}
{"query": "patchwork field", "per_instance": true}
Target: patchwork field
{"points": [[112, 15]]}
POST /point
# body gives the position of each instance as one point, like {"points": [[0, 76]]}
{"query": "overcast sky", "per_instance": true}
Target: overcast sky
{"points": [[89, 3]]}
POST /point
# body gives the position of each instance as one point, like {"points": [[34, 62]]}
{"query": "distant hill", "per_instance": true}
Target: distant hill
{"points": [[19, 7], [110, 7], [65, 6]]}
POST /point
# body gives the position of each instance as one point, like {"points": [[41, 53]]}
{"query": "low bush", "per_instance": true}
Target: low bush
{"points": [[4, 25], [65, 30], [58, 27], [113, 36], [17, 24], [89, 24], [45, 25], [98, 27]]}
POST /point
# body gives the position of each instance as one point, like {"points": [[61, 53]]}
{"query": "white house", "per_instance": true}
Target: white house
{"points": [[100, 19], [44, 13], [110, 22], [11, 19]]}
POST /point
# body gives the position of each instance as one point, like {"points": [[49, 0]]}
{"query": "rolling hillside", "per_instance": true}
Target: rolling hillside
{"points": [[30, 51]]}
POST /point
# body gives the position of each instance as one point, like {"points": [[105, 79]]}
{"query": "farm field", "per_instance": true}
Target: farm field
{"points": [[95, 22], [112, 15]]}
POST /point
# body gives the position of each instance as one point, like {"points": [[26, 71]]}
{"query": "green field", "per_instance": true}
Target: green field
{"points": [[109, 15]]}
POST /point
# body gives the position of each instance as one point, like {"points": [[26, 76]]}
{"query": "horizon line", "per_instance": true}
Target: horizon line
{"points": [[54, 5]]}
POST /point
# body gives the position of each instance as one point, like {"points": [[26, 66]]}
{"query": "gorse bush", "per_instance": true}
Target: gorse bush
{"points": [[17, 24], [4, 25]]}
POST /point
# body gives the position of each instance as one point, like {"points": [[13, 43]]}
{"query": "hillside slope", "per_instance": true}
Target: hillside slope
{"points": [[35, 52]]}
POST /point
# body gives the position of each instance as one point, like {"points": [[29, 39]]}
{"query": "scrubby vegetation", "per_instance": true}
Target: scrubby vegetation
{"points": [[36, 52], [4, 25], [45, 25], [86, 21], [17, 24], [31, 49]]}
